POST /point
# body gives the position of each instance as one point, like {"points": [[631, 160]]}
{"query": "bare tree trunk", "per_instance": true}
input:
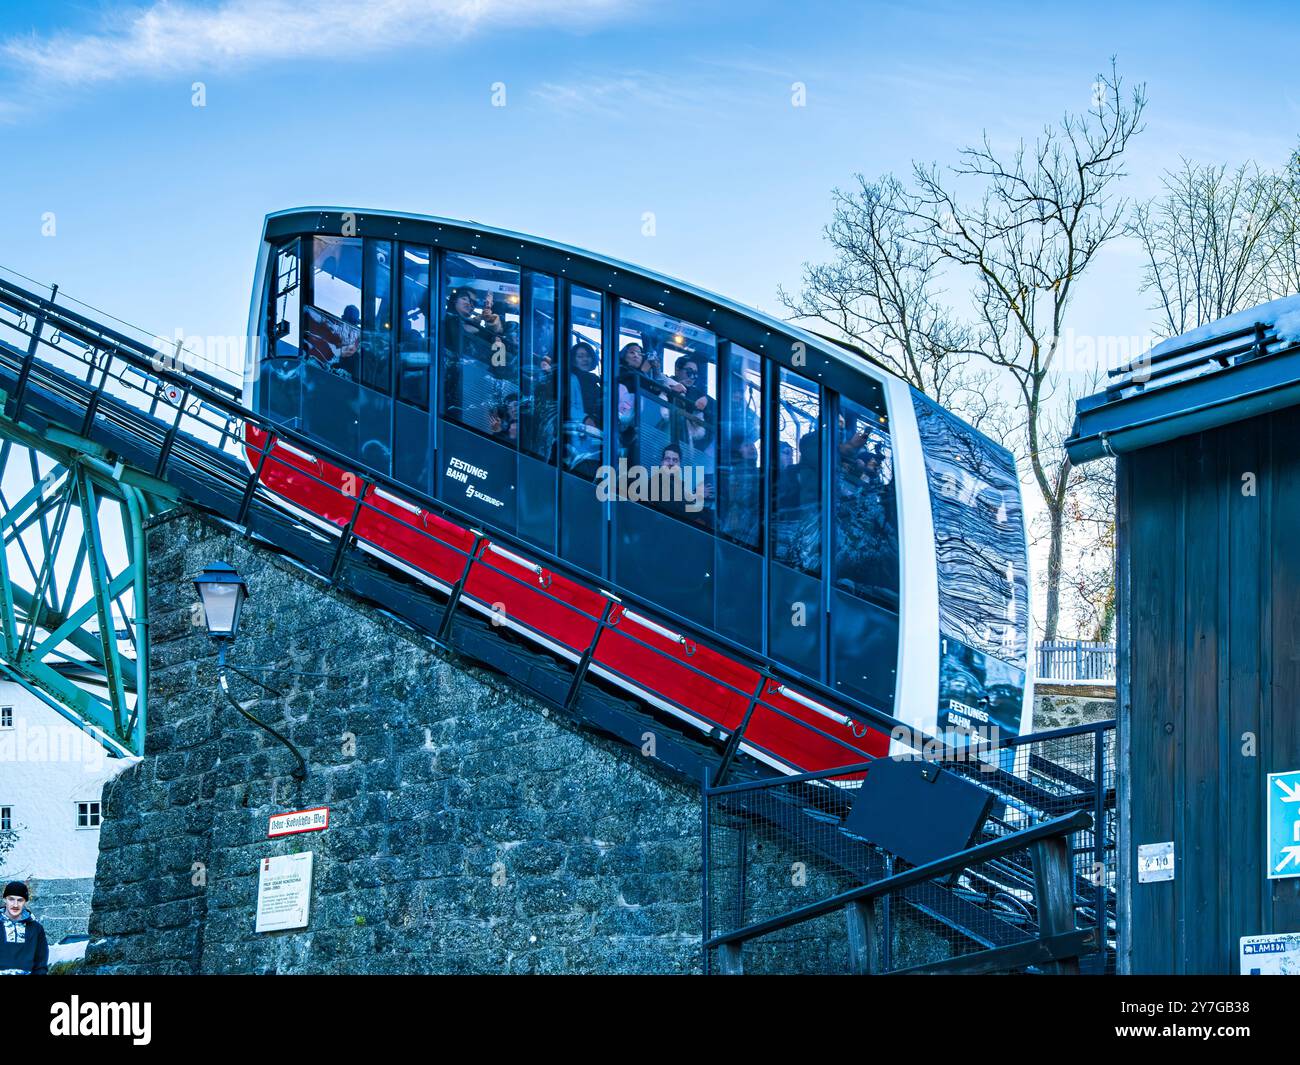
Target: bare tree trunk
{"points": [[1055, 564]]}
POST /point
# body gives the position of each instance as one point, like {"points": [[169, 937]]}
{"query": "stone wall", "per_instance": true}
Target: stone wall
{"points": [[61, 905], [470, 830], [1063, 705]]}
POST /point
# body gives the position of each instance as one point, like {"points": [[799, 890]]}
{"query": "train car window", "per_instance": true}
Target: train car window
{"points": [[286, 298], [377, 316], [740, 493], [414, 327], [584, 414], [866, 513], [480, 346], [539, 405], [668, 408], [332, 324], [796, 504]]}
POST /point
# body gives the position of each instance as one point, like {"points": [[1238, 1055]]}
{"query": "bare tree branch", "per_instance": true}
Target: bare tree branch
{"points": [[1217, 242]]}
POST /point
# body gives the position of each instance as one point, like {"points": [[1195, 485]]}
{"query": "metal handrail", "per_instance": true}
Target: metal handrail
{"points": [[1056, 828]]}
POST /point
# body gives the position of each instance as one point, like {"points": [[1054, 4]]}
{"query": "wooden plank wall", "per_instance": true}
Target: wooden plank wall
{"points": [[1209, 601]]}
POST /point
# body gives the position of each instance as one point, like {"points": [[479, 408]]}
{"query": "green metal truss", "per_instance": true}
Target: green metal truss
{"points": [[73, 579]]}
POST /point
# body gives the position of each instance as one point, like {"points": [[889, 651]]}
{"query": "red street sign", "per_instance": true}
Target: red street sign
{"points": [[314, 820]]}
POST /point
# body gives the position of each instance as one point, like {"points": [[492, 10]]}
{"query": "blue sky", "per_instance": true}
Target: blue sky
{"points": [[612, 110]]}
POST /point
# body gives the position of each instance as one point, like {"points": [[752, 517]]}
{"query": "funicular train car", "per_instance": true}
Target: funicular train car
{"points": [[750, 508]]}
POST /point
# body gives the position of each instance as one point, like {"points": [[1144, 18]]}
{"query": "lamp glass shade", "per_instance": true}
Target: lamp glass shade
{"points": [[223, 592], [221, 605]]}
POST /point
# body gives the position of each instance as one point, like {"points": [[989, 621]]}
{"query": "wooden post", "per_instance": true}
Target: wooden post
{"points": [[1053, 891], [860, 919], [729, 961]]}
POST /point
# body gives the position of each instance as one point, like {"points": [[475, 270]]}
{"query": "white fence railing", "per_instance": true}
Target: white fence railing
{"points": [[1076, 660]]}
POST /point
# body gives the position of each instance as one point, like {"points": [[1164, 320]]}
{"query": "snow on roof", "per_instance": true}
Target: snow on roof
{"points": [[1282, 316]]}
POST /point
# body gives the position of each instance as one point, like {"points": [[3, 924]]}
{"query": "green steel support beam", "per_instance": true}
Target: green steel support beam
{"points": [[60, 573], [99, 581]]}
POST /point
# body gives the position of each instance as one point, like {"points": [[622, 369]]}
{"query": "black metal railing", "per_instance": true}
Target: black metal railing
{"points": [[1053, 944], [770, 846]]}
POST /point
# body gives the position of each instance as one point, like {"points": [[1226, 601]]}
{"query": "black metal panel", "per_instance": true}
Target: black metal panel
{"points": [[739, 594], [536, 518], [917, 811], [864, 651], [375, 429], [280, 391], [664, 559], [413, 447], [794, 621], [330, 408], [582, 524]]}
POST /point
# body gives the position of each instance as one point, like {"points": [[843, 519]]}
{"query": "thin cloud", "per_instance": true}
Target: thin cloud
{"points": [[166, 37], [604, 94]]}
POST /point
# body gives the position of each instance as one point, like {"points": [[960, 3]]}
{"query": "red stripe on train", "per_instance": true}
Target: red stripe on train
{"points": [[709, 684]]}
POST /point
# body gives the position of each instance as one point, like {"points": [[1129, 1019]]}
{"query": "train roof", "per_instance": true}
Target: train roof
{"points": [[841, 363], [579, 264]]}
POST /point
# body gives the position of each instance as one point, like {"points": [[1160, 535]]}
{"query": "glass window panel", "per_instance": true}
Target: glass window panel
{"points": [[377, 316], [668, 409], [413, 327], [584, 417], [480, 346], [866, 514], [336, 277], [740, 457], [286, 295], [332, 324], [539, 408], [796, 506]]}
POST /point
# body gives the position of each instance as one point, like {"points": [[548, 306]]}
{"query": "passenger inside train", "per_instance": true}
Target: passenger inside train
{"points": [[778, 530]]}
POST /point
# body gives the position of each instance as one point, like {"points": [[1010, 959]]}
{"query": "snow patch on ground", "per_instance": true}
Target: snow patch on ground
{"points": [[60, 952]]}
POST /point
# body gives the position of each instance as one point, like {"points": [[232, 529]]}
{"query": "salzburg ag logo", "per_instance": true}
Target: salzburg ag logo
{"points": [[102, 1018]]}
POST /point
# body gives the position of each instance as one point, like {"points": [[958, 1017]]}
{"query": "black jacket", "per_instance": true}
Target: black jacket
{"points": [[22, 945]]}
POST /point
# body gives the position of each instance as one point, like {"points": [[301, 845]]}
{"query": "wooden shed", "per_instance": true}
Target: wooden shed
{"points": [[1205, 434]]}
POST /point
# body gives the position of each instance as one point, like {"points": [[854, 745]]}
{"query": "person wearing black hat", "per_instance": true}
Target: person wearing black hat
{"points": [[23, 949]]}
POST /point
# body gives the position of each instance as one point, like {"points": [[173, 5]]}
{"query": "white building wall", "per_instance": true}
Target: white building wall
{"points": [[47, 766]]}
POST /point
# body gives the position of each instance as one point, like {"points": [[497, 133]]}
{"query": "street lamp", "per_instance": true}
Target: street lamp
{"points": [[222, 592]]}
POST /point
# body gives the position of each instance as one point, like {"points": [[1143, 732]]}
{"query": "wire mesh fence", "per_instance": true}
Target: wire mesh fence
{"points": [[775, 845]]}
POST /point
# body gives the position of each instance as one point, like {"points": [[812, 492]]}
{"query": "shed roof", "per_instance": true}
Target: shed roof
{"points": [[1241, 366]]}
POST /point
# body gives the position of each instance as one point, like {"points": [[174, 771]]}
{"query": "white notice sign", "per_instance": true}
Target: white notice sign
{"points": [[284, 892], [1155, 862], [1277, 955]]}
